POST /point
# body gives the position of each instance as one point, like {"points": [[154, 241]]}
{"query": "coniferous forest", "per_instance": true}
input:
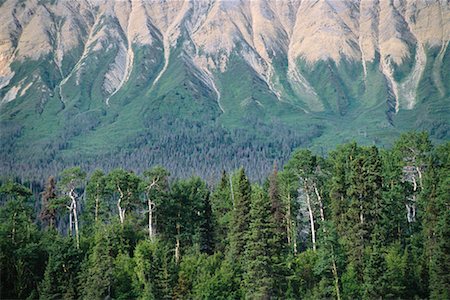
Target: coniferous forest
{"points": [[358, 223]]}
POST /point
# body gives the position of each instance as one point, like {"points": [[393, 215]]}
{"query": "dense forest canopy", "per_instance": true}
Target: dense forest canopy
{"points": [[361, 222]]}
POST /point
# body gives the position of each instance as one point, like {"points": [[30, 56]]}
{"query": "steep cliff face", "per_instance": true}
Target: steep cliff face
{"points": [[298, 62]]}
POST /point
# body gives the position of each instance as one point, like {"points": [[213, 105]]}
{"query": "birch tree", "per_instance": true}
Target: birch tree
{"points": [[414, 149], [125, 186], [96, 192], [304, 166], [156, 181], [71, 180]]}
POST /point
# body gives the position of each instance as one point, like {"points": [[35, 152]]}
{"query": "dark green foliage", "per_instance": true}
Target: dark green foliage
{"points": [[63, 265], [206, 228], [260, 250], [436, 225], [48, 209], [206, 277], [153, 270], [375, 283], [242, 194], [97, 208], [222, 210], [356, 198], [97, 277], [22, 257], [237, 240]]}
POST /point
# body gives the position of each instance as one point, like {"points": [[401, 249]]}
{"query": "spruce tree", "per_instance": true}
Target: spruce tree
{"points": [[222, 210], [277, 210], [279, 240], [206, 228], [375, 284], [436, 222], [96, 281], [48, 210], [64, 263], [258, 264], [241, 215]]}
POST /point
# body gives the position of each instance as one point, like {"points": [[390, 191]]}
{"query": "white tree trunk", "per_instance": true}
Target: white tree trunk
{"points": [[77, 234], [177, 245], [73, 207], [70, 218], [419, 173], [361, 214], [96, 208], [119, 208], [13, 233], [151, 206], [231, 191], [288, 220], [319, 199], [311, 217]]}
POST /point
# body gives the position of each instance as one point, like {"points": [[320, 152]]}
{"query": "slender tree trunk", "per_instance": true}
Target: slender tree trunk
{"points": [[121, 212], [231, 190], [311, 217], [419, 173], [70, 218], [97, 200], [13, 233], [73, 206], [361, 210], [288, 220], [335, 275], [319, 199], [77, 233], [177, 245], [151, 206], [294, 237]]}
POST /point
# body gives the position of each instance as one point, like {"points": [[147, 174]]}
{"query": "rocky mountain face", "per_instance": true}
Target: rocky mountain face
{"points": [[87, 76]]}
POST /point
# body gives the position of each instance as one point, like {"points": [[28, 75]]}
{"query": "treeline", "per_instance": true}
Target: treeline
{"points": [[183, 146], [362, 223]]}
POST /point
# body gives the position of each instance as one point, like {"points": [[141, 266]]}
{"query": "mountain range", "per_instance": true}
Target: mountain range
{"points": [[209, 85]]}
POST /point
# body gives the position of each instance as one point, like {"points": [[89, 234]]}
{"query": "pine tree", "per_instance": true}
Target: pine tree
{"points": [[21, 255], [277, 209], [375, 284], [279, 240], [48, 211], [394, 223], [241, 215], [436, 222], [63, 265], [206, 228], [259, 255], [153, 269], [356, 195], [222, 210], [330, 262], [96, 281]]}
